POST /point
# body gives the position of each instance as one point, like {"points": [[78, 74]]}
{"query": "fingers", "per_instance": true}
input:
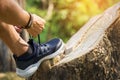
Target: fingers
{"points": [[38, 18], [34, 32], [37, 25], [19, 30]]}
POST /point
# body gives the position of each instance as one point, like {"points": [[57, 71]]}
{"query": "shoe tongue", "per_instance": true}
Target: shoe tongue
{"points": [[33, 45], [30, 41]]}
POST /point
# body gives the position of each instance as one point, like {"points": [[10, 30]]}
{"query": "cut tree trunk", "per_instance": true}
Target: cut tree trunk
{"points": [[93, 53]]}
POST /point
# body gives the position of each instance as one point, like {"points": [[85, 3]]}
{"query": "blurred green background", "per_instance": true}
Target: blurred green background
{"points": [[65, 17]]}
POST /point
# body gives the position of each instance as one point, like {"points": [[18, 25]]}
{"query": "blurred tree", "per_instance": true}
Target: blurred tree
{"points": [[65, 17]]}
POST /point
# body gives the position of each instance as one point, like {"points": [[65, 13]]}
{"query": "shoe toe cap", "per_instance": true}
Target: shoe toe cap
{"points": [[55, 43]]}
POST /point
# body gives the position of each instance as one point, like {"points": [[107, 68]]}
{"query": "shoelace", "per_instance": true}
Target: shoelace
{"points": [[31, 37], [46, 48], [39, 39], [39, 42]]}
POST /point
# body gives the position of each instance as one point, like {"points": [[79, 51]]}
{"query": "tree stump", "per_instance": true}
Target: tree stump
{"points": [[93, 53]]}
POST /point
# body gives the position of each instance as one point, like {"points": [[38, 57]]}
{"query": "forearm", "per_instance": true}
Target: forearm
{"points": [[12, 39], [12, 13]]}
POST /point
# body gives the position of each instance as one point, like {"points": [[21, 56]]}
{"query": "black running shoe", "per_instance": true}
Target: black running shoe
{"points": [[50, 49]]}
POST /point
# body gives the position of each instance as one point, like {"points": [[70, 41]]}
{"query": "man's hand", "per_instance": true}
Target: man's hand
{"points": [[37, 25], [18, 29]]}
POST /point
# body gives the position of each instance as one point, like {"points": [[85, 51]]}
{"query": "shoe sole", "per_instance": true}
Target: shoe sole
{"points": [[32, 68]]}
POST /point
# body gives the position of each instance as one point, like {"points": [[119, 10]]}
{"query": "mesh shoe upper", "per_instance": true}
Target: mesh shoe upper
{"points": [[39, 51]]}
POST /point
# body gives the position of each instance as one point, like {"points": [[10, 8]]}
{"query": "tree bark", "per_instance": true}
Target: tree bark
{"points": [[93, 53]]}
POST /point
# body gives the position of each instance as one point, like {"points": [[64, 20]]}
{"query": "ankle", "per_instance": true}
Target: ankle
{"points": [[26, 55], [19, 47], [19, 52]]}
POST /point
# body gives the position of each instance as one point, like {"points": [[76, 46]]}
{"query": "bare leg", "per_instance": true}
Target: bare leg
{"points": [[12, 39]]}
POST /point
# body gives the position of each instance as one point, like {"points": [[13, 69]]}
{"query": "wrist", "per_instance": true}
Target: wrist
{"points": [[29, 22]]}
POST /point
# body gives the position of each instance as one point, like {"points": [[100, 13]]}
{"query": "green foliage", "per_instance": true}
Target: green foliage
{"points": [[68, 15]]}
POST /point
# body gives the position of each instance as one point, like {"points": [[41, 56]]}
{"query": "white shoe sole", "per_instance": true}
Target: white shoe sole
{"points": [[32, 68]]}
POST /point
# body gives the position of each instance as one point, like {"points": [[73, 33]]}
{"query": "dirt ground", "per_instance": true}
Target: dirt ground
{"points": [[10, 76]]}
